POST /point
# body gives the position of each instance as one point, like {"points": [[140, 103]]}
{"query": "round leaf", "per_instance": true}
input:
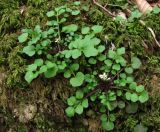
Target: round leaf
{"points": [[85, 103], [71, 101], [79, 94], [136, 63], [79, 109], [85, 30], [23, 37], [70, 111]]}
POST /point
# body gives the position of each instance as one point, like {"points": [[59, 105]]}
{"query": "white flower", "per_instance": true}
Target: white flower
{"points": [[104, 77]]}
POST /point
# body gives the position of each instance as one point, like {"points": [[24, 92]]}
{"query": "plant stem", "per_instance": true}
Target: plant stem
{"points": [[59, 34]]}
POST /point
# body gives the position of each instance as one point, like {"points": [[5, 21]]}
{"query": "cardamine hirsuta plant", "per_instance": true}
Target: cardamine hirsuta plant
{"points": [[99, 75]]}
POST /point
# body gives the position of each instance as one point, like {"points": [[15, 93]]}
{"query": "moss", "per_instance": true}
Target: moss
{"points": [[50, 95]]}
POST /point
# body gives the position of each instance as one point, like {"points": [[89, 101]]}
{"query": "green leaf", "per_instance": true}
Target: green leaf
{"points": [[74, 67], [77, 3], [49, 64], [92, 61], [97, 28], [121, 104], [156, 10], [32, 67], [77, 80], [61, 11], [70, 28], [132, 108], [67, 74], [140, 88], [70, 111], [134, 97], [85, 103], [43, 69], [136, 63], [103, 117], [129, 70], [50, 14], [29, 50], [90, 51], [101, 57], [51, 72], [76, 53], [140, 128], [123, 75], [130, 79], [95, 41], [112, 117], [123, 82], [128, 95], [101, 48], [85, 30], [79, 94], [143, 97], [23, 37], [50, 31], [38, 30], [108, 125], [121, 51], [79, 109], [119, 93], [116, 67], [135, 14], [29, 76], [71, 101], [133, 85], [108, 62], [111, 54], [75, 12], [39, 62]]}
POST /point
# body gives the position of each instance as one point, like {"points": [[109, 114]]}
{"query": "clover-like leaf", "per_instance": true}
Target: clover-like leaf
{"points": [[111, 54], [75, 12], [77, 80], [74, 67], [85, 103], [90, 51], [143, 97], [104, 117], [70, 111], [23, 37], [71, 101], [79, 109], [29, 50], [97, 28], [50, 14], [79, 94], [67, 74], [136, 63], [134, 97], [51, 72], [85, 30], [108, 125], [129, 70], [29, 76], [140, 88], [39, 62], [132, 108], [70, 28], [121, 51]]}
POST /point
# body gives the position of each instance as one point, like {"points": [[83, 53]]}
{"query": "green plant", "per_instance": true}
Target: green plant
{"points": [[97, 73]]}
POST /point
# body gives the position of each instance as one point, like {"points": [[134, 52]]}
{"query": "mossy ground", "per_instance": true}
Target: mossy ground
{"points": [[44, 99]]}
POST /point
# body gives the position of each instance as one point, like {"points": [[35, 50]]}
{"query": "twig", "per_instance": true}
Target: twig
{"points": [[107, 11], [152, 32]]}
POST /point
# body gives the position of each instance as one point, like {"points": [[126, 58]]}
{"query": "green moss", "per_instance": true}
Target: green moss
{"points": [[134, 36]]}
